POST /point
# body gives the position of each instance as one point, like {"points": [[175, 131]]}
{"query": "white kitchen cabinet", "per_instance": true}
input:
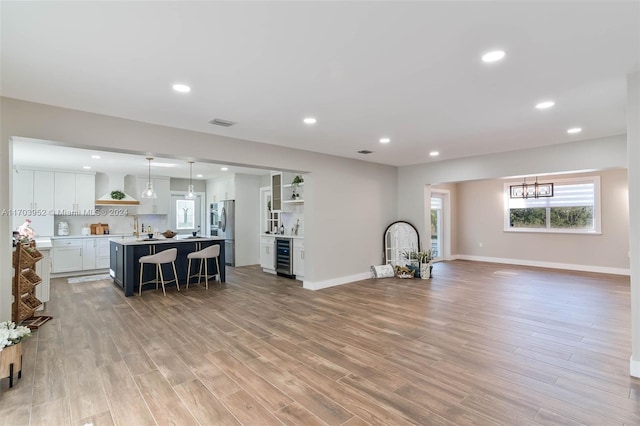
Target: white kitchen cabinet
{"points": [[159, 205], [221, 189], [74, 191], [66, 255], [298, 258], [102, 253], [89, 254], [267, 254], [32, 198], [276, 191]]}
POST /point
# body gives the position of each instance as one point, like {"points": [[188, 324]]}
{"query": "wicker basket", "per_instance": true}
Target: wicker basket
{"points": [[28, 259], [27, 307], [28, 280]]}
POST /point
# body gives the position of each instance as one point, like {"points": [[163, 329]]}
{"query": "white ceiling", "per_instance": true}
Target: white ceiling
{"points": [[32, 153], [410, 71]]}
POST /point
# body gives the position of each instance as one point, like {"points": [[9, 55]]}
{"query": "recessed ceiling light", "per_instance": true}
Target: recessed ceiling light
{"points": [[545, 105], [182, 88], [385, 140], [434, 153], [86, 167], [574, 130], [493, 56], [95, 156], [309, 120], [199, 175], [224, 169]]}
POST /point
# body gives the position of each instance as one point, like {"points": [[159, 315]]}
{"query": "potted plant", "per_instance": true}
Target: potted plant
{"points": [[294, 184], [425, 258]]}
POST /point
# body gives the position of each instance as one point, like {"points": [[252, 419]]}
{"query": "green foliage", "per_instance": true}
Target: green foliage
{"points": [[571, 217], [559, 217], [528, 218], [297, 180], [117, 195]]}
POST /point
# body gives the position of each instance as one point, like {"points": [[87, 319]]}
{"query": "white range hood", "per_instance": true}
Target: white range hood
{"points": [[105, 184]]}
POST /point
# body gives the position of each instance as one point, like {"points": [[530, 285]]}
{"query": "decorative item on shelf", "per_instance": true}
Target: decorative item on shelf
{"points": [[11, 336], [149, 192], [536, 190], [117, 195], [190, 195], [295, 184]]}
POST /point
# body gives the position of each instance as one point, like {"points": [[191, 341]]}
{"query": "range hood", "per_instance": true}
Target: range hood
{"points": [[105, 184]]}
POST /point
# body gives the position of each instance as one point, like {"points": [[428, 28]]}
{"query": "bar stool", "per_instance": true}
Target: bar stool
{"points": [[211, 252], [165, 256]]}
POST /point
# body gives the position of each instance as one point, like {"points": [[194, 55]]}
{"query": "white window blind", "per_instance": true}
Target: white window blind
{"points": [[565, 195]]}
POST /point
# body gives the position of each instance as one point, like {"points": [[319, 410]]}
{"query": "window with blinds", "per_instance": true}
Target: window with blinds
{"points": [[574, 207]]}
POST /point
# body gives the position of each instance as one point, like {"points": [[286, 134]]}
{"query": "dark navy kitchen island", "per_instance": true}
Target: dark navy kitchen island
{"points": [[125, 252]]}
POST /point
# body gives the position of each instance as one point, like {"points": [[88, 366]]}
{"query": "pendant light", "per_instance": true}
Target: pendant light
{"points": [[149, 192], [190, 195]]}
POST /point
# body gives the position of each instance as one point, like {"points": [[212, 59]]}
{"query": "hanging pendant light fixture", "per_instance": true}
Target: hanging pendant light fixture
{"points": [[190, 195], [526, 190], [149, 192]]}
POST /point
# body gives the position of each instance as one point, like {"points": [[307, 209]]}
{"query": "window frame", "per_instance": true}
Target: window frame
{"points": [[597, 209]]}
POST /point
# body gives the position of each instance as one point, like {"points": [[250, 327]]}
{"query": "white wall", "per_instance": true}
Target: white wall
{"points": [[348, 203], [595, 154], [481, 220], [247, 188]]}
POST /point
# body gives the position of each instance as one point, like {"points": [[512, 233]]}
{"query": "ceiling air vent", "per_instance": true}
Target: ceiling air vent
{"points": [[221, 122], [365, 151]]}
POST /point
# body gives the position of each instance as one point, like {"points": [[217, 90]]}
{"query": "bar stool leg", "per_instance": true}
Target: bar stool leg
{"points": [[140, 287], [188, 273], [200, 271], [218, 266], [175, 275], [206, 273], [161, 279]]}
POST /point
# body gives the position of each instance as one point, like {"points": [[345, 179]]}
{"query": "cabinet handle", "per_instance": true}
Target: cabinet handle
{"points": [[302, 254]]}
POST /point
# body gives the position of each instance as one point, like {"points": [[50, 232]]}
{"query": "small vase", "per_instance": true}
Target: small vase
{"points": [[425, 270]]}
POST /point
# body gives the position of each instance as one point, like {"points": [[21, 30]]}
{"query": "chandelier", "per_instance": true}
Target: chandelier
{"points": [[528, 190]]}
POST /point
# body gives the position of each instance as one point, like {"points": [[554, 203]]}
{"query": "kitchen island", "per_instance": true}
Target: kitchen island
{"points": [[126, 251]]}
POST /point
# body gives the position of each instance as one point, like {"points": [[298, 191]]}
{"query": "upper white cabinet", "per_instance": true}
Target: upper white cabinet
{"points": [[276, 192], [33, 190], [159, 205], [74, 191], [284, 191], [221, 189]]}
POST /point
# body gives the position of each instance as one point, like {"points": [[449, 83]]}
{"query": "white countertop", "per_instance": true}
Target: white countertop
{"points": [[130, 240], [293, 237], [43, 243], [60, 237]]}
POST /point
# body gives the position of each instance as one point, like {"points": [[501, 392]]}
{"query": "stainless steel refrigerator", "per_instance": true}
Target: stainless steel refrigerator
{"points": [[226, 212]]}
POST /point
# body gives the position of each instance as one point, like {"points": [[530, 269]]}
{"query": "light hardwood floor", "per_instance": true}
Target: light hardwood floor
{"points": [[478, 344]]}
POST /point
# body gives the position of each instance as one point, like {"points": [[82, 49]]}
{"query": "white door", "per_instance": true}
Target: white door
{"points": [[440, 241]]}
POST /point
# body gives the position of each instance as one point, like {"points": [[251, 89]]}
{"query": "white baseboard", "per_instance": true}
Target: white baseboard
{"points": [[634, 367], [552, 265], [319, 285]]}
